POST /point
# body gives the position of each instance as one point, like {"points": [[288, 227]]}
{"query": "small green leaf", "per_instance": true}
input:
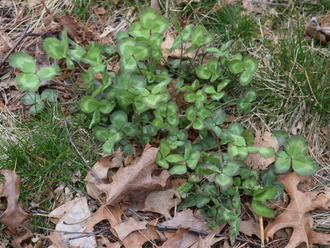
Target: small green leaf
{"points": [[232, 168], [190, 97], [203, 72], [54, 48], [260, 209], [106, 106], [101, 133], [37, 108], [209, 89], [137, 30], [88, 104], [245, 78], [224, 181], [304, 166], [108, 147], [118, 119], [49, 95], [96, 119], [219, 116], [178, 169], [237, 140], [23, 61], [281, 137], [27, 81], [193, 159], [236, 66], [222, 85], [175, 158], [198, 124], [49, 72], [296, 146], [30, 98], [130, 129], [184, 188]]}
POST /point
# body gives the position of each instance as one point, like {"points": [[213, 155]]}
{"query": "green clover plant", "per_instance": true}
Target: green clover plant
{"points": [[178, 104]]}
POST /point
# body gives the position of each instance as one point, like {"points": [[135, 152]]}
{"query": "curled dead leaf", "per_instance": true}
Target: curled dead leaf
{"points": [[125, 228], [255, 160], [132, 181], [296, 215]]}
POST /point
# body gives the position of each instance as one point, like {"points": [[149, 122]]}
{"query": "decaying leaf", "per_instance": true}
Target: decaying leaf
{"points": [[319, 30], [14, 216], [99, 173], [134, 180], [249, 227], [176, 239], [207, 242], [296, 215], [161, 202], [177, 53], [72, 217], [138, 238], [255, 160], [129, 226]]}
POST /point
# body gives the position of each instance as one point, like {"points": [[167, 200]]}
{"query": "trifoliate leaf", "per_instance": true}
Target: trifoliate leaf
{"points": [[23, 61], [54, 48], [27, 81], [106, 106], [101, 133], [137, 30], [49, 72]]}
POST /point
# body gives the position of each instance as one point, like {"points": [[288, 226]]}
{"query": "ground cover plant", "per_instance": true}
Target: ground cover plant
{"points": [[178, 103]]}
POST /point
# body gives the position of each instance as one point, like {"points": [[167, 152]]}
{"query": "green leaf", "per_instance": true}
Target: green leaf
{"points": [[128, 64], [239, 152], [54, 48], [118, 119], [106, 106], [198, 124], [237, 140], [190, 97], [96, 119], [219, 116], [108, 147], [193, 159], [69, 64], [23, 61], [130, 129], [27, 81], [126, 47], [49, 72], [304, 166], [296, 146], [265, 194], [137, 30], [224, 181], [232, 168], [265, 152], [209, 89], [236, 66], [88, 104], [190, 114], [203, 72], [202, 201], [235, 128], [260, 209], [164, 147], [49, 95], [37, 108], [175, 158], [101, 133], [173, 120], [178, 169], [245, 78], [186, 32], [30, 98], [222, 85], [76, 54], [150, 19], [163, 163], [250, 64], [281, 137]]}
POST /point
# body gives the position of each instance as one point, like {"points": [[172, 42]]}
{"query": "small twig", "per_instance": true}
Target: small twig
{"points": [[268, 3], [67, 232], [73, 144], [87, 235], [136, 214], [262, 233], [24, 34], [161, 227]]}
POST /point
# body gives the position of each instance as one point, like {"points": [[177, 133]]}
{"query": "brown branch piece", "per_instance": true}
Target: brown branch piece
{"points": [[296, 214]]}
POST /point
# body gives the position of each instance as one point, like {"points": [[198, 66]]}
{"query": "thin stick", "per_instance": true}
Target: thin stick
{"points": [[24, 34], [66, 232], [262, 232], [272, 4], [74, 146]]}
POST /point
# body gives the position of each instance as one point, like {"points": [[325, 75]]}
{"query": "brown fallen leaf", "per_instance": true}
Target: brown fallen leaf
{"points": [[138, 238], [207, 242], [319, 30], [72, 217], [99, 173], [161, 202], [129, 226], [249, 227], [255, 160], [296, 215], [177, 53], [132, 181], [13, 216], [176, 239]]}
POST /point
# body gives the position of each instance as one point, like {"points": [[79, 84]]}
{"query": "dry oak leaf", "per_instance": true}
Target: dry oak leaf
{"points": [[161, 202], [138, 238], [72, 217], [255, 160], [13, 216], [296, 215], [129, 226], [134, 179], [177, 53], [249, 227], [99, 173]]}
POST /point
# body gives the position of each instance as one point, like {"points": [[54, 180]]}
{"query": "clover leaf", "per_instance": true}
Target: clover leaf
{"points": [[246, 67], [23, 61], [49, 95], [48, 72], [150, 19], [27, 81], [209, 71], [55, 48]]}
